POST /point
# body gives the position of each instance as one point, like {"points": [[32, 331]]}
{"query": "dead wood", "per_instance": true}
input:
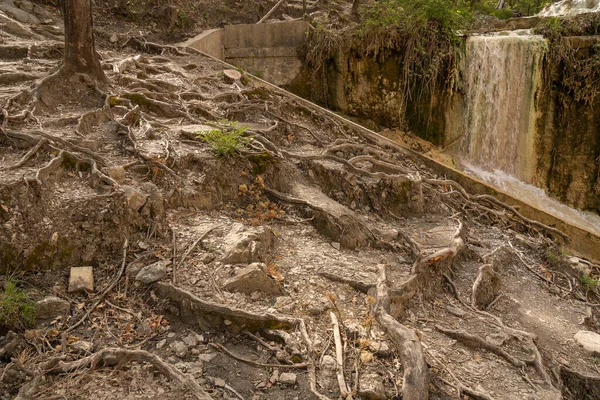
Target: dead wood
{"points": [[28, 155], [416, 379], [361, 286], [477, 342], [214, 314], [223, 349], [271, 11], [12, 343], [339, 358], [118, 356], [580, 386], [445, 183]]}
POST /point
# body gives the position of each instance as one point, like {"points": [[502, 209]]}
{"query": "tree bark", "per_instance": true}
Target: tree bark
{"points": [[80, 52], [355, 5]]}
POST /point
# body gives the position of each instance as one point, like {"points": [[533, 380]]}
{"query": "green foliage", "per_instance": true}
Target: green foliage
{"points": [[17, 311], [555, 256], [578, 72], [227, 139], [447, 16], [590, 283]]}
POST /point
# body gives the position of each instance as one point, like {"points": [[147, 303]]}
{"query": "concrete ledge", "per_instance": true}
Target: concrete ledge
{"points": [[209, 42], [280, 34], [265, 52]]}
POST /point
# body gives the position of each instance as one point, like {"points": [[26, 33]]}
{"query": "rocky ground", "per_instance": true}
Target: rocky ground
{"points": [[317, 260]]}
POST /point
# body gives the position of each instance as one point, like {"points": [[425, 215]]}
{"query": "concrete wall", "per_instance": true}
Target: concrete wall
{"points": [[209, 42], [269, 51]]}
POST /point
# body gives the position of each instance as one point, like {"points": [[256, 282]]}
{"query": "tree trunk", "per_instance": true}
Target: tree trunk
{"points": [[80, 53], [355, 5]]}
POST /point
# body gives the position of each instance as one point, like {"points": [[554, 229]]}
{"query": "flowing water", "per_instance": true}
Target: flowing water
{"points": [[537, 197], [570, 7], [501, 74]]}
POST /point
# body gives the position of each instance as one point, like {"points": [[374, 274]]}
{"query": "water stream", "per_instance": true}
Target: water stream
{"points": [[570, 7], [500, 76]]}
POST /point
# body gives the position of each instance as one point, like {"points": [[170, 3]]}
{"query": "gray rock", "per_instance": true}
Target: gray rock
{"points": [[113, 38], [318, 306], [329, 362], [244, 246], [380, 349], [179, 348], [371, 387], [190, 341], [18, 14], [135, 198], [161, 344], [51, 307], [253, 279], [82, 346], [220, 382], [207, 357], [336, 245], [590, 341], [486, 287], [152, 273], [117, 173], [81, 279], [287, 378]]}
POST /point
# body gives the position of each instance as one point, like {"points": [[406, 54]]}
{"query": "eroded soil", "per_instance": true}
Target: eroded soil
{"points": [[320, 209]]}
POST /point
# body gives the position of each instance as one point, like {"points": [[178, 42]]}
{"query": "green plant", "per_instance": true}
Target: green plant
{"points": [[555, 256], [17, 311], [590, 283], [227, 139]]}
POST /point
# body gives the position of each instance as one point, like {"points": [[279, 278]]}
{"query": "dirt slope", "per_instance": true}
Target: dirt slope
{"points": [[234, 276]]}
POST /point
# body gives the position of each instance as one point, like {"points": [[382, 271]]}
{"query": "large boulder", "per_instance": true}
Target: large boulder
{"points": [[244, 246], [253, 278]]}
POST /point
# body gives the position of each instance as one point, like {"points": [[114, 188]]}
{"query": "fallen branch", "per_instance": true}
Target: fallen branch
{"points": [[477, 342], [214, 314], [28, 155], [223, 349], [416, 379], [339, 357], [119, 356], [271, 11]]}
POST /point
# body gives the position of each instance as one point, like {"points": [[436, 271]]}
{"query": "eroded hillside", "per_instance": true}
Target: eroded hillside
{"points": [[246, 244]]}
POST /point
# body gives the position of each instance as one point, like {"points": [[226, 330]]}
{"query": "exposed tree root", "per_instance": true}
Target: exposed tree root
{"points": [[476, 342], [28, 155], [495, 201], [118, 356], [214, 314], [223, 349], [416, 379], [339, 357], [12, 343]]}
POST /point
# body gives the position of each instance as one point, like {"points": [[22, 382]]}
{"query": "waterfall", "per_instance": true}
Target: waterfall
{"points": [[500, 76], [570, 7]]}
